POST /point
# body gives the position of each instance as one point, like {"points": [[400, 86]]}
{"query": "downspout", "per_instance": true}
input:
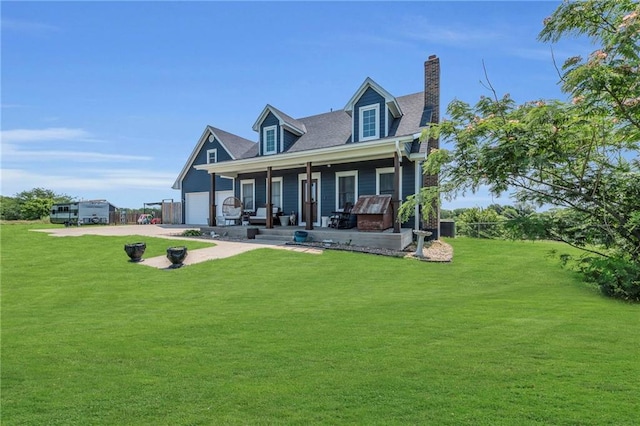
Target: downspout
{"points": [[269, 219], [417, 179], [212, 201], [309, 205], [396, 192]]}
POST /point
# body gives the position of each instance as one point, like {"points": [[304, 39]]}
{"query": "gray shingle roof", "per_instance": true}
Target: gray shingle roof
{"points": [[236, 145], [289, 120], [324, 130], [334, 128]]}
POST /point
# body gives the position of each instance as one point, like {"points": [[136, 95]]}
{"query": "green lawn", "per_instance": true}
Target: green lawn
{"points": [[501, 336]]}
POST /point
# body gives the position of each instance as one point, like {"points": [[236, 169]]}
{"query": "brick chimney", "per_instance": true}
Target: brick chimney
{"points": [[432, 101]]}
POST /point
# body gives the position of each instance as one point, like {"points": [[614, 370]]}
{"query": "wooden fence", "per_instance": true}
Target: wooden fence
{"points": [[170, 213]]}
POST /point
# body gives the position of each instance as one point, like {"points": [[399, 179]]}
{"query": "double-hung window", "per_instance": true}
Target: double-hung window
{"points": [[369, 122], [269, 140], [276, 192], [346, 188], [384, 181]]}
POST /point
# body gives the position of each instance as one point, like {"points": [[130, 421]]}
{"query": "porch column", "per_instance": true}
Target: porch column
{"points": [[269, 221], [396, 192], [212, 201], [309, 205]]}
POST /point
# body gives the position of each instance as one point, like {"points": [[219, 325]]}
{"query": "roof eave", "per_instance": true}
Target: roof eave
{"points": [[389, 99], [364, 151], [178, 183]]}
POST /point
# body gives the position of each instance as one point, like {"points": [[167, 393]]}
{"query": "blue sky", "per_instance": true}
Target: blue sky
{"points": [[108, 99]]}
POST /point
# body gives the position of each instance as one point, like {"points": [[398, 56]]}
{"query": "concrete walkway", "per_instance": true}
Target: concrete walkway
{"points": [[221, 250]]}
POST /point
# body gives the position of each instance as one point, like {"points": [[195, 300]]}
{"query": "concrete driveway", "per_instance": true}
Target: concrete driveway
{"points": [[221, 249]]}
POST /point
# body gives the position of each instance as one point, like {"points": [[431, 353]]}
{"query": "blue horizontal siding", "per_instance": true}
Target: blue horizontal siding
{"points": [[199, 180], [289, 140], [369, 97], [270, 120], [366, 184]]}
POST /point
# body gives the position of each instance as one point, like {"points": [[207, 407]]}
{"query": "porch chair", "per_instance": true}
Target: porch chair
{"points": [[232, 210], [260, 217], [341, 218]]}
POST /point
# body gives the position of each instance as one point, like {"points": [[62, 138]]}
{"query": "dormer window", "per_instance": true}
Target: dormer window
{"points": [[372, 110], [269, 140], [212, 156], [370, 122]]}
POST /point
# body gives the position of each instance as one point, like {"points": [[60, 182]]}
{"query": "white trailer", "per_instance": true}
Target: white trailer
{"points": [[81, 213]]}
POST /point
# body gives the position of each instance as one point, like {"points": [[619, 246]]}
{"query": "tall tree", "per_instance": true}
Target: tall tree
{"points": [[36, 203], [581, 154], [9, 209]]}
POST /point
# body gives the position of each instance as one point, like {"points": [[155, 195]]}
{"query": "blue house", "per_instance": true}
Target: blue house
{"points": [[313, 166]]}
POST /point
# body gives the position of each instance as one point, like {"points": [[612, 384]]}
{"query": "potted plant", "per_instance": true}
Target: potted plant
{"points": [[300, 236]]}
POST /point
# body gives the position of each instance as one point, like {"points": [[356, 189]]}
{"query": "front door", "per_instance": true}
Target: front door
{"points": [[315, 197]]}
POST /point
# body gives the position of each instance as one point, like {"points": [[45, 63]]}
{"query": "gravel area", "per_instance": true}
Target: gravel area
{"points": [[438, 251]]}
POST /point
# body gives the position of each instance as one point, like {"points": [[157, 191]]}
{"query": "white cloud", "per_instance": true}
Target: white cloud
{"points": [[44, 135], [69, 156], [425, 30], [124, 188], [7, 106], [27, 26], [94, 180], [13, 140], [546, 53]]}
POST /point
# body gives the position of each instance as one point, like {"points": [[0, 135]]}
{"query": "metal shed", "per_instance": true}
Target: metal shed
{"points": [[373, 212]]}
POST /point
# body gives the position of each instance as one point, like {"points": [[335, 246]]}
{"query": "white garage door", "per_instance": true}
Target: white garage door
{"points": [[196, 208]]}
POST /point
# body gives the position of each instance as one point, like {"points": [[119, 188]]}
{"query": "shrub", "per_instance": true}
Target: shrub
{"points": [[617, 277], [192, 233]]}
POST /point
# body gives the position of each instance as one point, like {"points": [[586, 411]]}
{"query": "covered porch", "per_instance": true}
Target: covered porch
{"points": [[302, 177]]}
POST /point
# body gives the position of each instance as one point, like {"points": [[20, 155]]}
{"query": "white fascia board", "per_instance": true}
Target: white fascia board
{"points": [[178, 183], [394, 107], [296, 131], [418, 156], [399, 151], [203, 139], [221, 142], [269, 109], [389, 99], [261, 117], [336, 154]]}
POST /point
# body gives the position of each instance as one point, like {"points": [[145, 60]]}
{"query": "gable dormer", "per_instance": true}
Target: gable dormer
{"points": [[277, 131], [372, 110]]}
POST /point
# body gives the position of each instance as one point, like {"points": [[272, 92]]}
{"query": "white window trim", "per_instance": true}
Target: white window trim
{"points": [[353, 173], [253, 195], [281, 139], [264, 140], [387, 121], [387, 170], [213, 151], [361, 111], [277, 180]]}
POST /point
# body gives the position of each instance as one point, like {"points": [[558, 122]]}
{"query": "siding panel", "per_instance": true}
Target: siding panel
{"points": [[270, 120], [289, 140], [199, 180], [369, 97]]}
